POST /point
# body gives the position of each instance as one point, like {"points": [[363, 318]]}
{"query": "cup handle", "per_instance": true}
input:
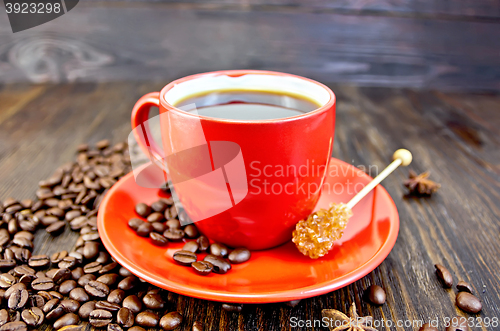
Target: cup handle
{"points": [[140, 127]]}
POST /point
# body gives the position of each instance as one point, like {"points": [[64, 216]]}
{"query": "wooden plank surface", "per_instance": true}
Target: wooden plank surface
{"points": [[453, 135], [117, 41]]}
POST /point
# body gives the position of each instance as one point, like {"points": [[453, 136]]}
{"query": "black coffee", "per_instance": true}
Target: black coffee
{"points": [[247, 105]]}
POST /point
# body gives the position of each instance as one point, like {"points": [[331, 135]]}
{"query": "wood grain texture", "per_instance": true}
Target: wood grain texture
{"points": [[455, 136], [116, 41]]}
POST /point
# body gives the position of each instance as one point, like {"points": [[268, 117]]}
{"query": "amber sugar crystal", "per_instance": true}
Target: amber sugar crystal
{"points": [[315, 236]]}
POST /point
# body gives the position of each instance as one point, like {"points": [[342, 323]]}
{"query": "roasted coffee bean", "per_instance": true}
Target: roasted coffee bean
{"points": [[70, 305], [27, 279], [173, 224], [100, 318], [86, 309], [97, 289], [48, 220], [77, 273], [61, 275], [184, 257], [14, 288], [55, 211], [39, 261], [221, 266], [25, 234], [114, 327], [102, 144], [444, 275], [428, 327], [171, 321], [171, 213], [458, 323], [128, 283], [67, 286], [14, 326], [36, 301], [85, 279], [464, 287], [22, 242], [108, 267], [92, 268], [9, 263], [376, 295], [202, 267], [79, 294], [12, 226], [56, 227], [144, 229], [107, 306], [103, 258], [159, 206], [108, 279], [116, 296], [158, 227], [78, 222], [133, 303], [68, 319], [232, 308], [33, 316], [42, 284], [55, 313], [58, 257], [4, 317], [72, 328], [134, 328], [191, 231], [147, 318], [190, 246], [7, 280], [18, 299], [4, 237], [51, 304], [90, 249], [134, 223], [468, 303], [153, 301], [45, 295], [72, 214], [124, 272], [157, 239], [218, 249], [239, 255], [203, 243], [125, 317], [56, 295], [91, 236], [174, 234], [21, 270], [142, 209], [155, 217]]}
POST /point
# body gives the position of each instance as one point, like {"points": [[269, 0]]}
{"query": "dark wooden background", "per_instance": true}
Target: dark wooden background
{"points": [[413, 43], [454, 135]]}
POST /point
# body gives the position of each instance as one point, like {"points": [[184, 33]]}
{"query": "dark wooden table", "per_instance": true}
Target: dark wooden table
{"points": [[454, 135]]}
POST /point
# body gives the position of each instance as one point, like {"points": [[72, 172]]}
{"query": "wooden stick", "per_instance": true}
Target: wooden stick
{"points": [[401, 157]]}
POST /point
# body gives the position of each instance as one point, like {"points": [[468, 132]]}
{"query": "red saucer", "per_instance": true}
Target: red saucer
{"points": [[274, 275]]}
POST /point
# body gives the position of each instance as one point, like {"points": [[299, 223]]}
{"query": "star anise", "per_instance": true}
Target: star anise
{"points": [[420, 184], [338, 321]]}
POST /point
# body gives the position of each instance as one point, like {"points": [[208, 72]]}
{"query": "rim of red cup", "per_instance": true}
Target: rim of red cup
{"points": [[237, 73]]}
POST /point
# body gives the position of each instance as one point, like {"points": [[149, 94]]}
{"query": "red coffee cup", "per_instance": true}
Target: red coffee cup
{"points": [[245, 183]]}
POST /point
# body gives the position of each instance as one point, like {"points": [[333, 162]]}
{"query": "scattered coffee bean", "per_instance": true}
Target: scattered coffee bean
{"points": [[90, 249], [184, 257], [444, 275], [108, 279], [39, 261], [158, 239], [218, 249], [220, 265], [191, 231], [79, 294], [142, 209], [190, 246], [114, 327], [70, 305], [171, 321], [202, 267], [85, 279], [232, 308], [86, 309], [4, 316], [97, 289], [67, 286], [155, 217], [100, 318], [116, 296], [174, 234], [144, 229], [147, 318], [153, 301], [125, 317], [60, 275], [112, 307], [128, 283], [42, 284], [68, 319], [18, 299], [14, 326], [464, 287], [468, 303], [239, 255], [134, 223], [92, 268], [203, 243], [33, 316], [133, 303], [376, 295]]}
